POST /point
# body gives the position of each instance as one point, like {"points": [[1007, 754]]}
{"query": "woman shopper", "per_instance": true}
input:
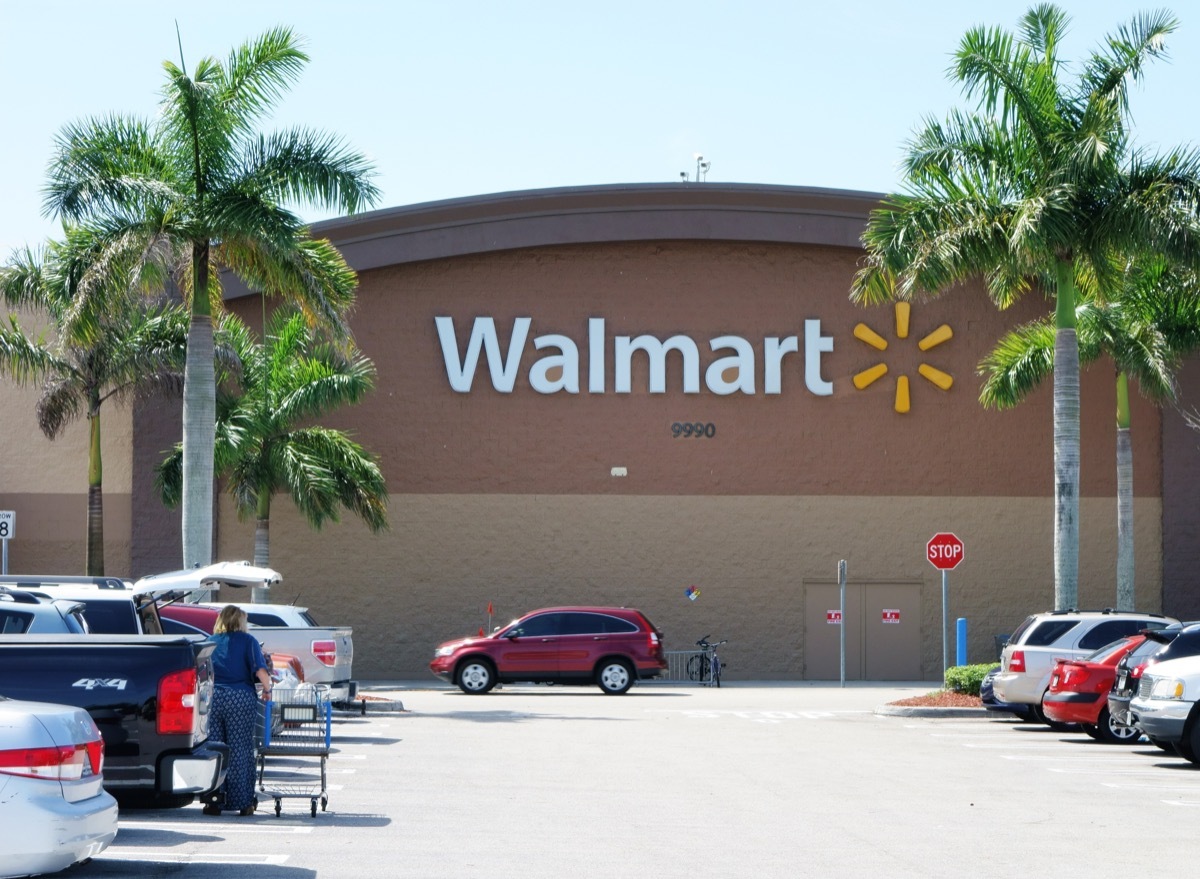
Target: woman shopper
{"points": [[237, 663]]}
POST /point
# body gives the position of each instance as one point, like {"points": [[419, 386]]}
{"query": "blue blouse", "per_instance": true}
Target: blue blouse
{"points": [[236, 660]]}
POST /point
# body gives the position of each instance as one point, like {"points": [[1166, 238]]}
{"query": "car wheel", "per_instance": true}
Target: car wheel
{"points": [[476, 676], [1192, 739], [615, 676], [1111, 732], [1184, 749]]}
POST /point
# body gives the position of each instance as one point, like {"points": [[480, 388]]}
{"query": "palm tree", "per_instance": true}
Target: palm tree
{"points": [[266, 442], [200, 190], [1146, 332], [1040, 186], [131, 349]]}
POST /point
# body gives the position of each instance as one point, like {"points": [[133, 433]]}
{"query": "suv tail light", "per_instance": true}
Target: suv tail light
{"points": [[62, 763], [177, 702], [1016, 662], [654, 645], [325, 652]]}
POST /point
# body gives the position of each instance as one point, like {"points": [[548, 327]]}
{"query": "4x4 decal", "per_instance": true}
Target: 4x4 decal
{"points": [[101, 683]]}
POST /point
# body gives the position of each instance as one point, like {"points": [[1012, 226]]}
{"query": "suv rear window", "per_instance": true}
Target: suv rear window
{"points": [[1186, 643], [1049, 632]]}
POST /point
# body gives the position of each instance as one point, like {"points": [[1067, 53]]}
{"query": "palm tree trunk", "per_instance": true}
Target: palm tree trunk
{"points": [[1066, 442], [95, 502], [199, 420], [262, 542], [1125, 576]]}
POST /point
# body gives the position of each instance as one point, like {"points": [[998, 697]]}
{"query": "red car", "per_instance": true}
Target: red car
{"points": [[608, 646], [1079, 692]]}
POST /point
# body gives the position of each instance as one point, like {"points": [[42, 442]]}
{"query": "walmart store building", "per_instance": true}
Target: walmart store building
{"points": [[623, 394]]}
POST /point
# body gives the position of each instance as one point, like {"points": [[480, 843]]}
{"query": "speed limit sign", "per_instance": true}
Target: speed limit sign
{"points": [[8, 524]]}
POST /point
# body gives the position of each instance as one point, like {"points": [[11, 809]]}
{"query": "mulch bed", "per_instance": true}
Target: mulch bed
{"points": [[941, 699]]}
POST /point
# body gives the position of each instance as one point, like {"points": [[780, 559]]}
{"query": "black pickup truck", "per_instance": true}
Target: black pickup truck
{"points": [[149, 694]]}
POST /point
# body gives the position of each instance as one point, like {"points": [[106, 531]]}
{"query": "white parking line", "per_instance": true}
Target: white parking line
{"points": [[1005, 736], [152, 856], [1021, 746], [208, 827], [747, 714], [1149, 772]]}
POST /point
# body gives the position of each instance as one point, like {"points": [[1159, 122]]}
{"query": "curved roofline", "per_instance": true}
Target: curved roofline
{"points": [[595, 214]]}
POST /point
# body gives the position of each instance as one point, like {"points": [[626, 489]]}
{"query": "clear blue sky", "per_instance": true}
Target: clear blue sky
{"points": [[462, 98]]}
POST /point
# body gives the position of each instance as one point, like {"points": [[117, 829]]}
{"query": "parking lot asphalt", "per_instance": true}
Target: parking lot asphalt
{"points": [[764, 779]]}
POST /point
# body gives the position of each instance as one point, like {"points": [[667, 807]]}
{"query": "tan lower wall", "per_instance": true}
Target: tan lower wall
{"points": [[446, 557], [51, 533]]}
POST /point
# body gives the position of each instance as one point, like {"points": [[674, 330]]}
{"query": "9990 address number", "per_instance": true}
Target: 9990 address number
{"points": [[693, 429]]}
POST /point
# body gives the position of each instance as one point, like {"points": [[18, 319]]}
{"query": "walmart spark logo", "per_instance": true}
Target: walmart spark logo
{"points": [[940, 379]]}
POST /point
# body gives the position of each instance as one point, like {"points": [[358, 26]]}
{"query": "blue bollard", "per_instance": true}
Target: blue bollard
{"points": [[961, 638]]}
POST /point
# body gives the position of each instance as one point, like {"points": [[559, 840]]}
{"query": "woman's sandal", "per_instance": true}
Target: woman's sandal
{"points": [[249, 810]]}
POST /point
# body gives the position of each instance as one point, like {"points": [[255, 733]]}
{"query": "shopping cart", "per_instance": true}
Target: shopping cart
{"points": [[295, 728]]}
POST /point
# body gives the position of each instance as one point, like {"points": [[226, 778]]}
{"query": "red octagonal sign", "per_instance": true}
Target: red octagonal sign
{"points": [[944, 551]]}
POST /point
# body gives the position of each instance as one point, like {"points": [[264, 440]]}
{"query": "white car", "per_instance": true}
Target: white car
{"points": [[1028, 658], [1167, 705], [53, 805]]}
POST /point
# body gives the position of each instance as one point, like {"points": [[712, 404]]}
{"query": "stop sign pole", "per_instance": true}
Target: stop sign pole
{"points": [[945, 552]]}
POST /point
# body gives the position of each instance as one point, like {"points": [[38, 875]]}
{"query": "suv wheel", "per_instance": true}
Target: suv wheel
{"points": [[615, 676], [475, 677]]}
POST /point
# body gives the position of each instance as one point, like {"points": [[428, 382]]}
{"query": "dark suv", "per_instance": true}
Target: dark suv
{"points": [[608, 646]]}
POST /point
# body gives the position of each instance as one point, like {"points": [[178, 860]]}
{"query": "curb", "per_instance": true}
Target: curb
{"points": [[362, 707], [927, 711]]}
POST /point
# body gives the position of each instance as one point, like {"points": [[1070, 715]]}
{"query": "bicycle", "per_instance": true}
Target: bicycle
{"points": [[705, 666]]}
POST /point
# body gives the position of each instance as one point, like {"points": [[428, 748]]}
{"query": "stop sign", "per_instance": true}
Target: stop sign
{"points": [[944, 551]]}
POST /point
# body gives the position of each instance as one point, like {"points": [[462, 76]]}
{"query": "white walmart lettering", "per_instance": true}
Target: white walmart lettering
{"points": [[558, 369]]}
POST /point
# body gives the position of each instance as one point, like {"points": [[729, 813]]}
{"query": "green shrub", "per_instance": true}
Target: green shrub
{"points": [[967, 678]]}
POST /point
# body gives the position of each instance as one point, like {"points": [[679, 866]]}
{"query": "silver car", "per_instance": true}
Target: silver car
{"points": [[56, 811]]}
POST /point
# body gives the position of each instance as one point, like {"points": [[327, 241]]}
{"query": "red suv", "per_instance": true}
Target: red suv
{"points": [[608, 646]]}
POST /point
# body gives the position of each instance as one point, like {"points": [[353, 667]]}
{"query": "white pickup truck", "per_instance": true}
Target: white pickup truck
{"points": [[325, 652]]}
